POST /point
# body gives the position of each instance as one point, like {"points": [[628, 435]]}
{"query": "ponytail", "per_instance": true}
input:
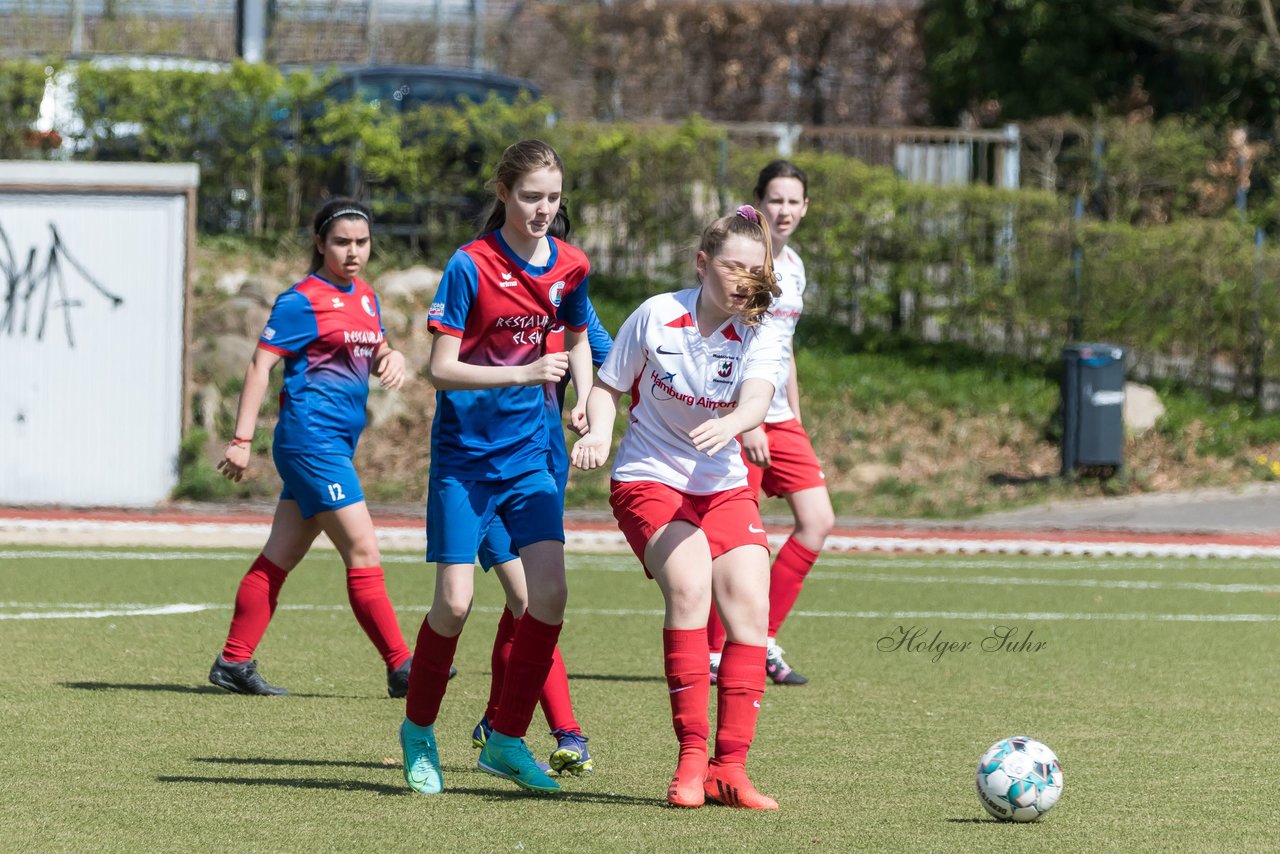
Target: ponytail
{"points": [[760, 288]]}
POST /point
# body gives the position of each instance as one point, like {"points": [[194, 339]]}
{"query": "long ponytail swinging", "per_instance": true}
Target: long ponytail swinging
{"points": [[761, 288]]}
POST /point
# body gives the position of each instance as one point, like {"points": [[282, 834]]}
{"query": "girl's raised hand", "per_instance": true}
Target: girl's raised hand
{"points": [[578, 417], [713, 434], [234, 462], [755, 445], [549, 369], [590, 452], [390, 370]]}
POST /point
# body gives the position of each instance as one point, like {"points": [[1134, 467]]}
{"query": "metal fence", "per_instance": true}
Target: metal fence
{"points": [[938, 156]]}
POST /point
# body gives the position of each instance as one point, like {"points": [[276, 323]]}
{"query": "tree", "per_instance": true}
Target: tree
{"points": [[1235, 43], [1025, 59]]}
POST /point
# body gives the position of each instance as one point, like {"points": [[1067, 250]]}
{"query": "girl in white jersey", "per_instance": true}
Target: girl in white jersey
{"points": [[700, 369], [779, 454]]}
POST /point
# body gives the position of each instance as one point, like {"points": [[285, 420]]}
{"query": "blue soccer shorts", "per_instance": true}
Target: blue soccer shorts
{"points": [[318, 482], [461, 515]]}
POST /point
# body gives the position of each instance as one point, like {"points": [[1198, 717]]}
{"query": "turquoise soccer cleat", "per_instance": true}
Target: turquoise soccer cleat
{"points": [[504, 756], [421, 760]]}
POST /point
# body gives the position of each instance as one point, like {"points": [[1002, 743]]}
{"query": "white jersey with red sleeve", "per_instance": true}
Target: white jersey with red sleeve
{"points": [[783, 316], [677, 379]]}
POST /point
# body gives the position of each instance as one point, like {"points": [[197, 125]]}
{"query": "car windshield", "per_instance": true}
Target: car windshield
{"points": [[409, 93]]}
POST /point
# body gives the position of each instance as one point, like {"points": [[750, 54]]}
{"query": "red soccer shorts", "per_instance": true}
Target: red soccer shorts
{"points": [[729, 519], [794, 466]]}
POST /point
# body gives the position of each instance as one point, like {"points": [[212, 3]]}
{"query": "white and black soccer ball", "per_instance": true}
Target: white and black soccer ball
{"points": [[1019, 779]]}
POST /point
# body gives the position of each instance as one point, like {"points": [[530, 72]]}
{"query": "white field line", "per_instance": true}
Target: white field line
{"points": [[73, 612], [102, 611], [1033, 546], [1011, 581], [247, 535], [626, 565], [829, 566]]}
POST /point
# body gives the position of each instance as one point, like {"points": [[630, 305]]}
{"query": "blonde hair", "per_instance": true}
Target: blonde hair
{"points": [[761, 288]]}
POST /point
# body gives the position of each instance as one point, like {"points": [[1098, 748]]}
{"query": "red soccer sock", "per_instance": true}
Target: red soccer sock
{"points": [[557, 705], [689, 686], [527, 668], [498, 661], [715, 631], [429, 675], [367, 592], [739, 689], [255, 604], [785, 580]]}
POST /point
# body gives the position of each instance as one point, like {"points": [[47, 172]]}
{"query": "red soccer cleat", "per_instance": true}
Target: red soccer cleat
{"points": [[728, 785], [686, 789]]}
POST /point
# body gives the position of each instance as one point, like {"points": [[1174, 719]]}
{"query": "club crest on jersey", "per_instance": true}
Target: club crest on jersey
{"points": [[556, 292], [367, 305], [725, 368]]}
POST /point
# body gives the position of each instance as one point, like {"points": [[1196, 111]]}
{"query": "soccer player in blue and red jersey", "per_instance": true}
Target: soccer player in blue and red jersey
{"points": [[498, 298], [700, 367], [570, 755], [327, 329]]}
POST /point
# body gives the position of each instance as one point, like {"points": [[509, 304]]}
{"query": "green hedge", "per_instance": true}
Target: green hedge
{"points": [[21, 90], [989, 267]]}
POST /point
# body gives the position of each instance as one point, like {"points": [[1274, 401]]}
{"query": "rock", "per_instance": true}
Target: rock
{"points": [[1142, 408], [396, 321], [263, 291], [208, 402], [382, 406], [417, 352], [417, 282], [239, 315], [231, 281], [223, 357]]}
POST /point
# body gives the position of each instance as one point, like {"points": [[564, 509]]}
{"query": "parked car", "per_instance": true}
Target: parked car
{"points": [[408, 87], [60, 117], [404, 89]]}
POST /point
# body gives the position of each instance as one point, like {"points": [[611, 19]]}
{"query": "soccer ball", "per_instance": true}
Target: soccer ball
{"points": [[1019, 779]]}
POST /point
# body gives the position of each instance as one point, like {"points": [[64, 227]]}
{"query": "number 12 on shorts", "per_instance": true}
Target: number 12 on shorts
{"points": [[335, 492]]}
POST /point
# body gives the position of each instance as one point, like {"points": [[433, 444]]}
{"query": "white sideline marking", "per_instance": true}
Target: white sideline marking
{"points": [[1044, 615], [249, 535], [74, 611], [1198, 586], [1047, 547], [628, 563], [89, 554], [120, 611]]}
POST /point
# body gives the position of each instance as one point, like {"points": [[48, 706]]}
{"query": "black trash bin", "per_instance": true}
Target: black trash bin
{"points": [[1092, 407]]}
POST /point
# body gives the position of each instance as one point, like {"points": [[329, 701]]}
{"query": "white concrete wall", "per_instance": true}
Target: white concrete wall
{"points": [[92, 291]]}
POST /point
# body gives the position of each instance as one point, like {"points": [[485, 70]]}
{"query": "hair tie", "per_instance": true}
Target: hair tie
{"points": [[344, 212], [749, 213]]}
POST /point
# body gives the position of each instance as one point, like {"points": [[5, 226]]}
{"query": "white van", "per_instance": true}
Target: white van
{"points": [[59, 117]]}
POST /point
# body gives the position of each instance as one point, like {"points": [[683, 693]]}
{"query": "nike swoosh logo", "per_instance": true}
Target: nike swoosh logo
{"points": [[662, 352], [678, 690], [753, 529]]}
